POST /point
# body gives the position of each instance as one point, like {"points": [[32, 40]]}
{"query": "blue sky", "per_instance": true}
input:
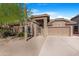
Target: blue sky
{"points": [[55, 10]]}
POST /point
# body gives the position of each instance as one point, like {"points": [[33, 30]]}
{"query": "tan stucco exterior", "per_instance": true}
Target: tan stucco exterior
{"points": [[56, 27], [60, 28], [58, 24]]}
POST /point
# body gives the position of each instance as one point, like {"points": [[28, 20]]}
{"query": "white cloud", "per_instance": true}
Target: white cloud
{"points": [[35, 11], [52, 14], [42, 4], [63, 17]]}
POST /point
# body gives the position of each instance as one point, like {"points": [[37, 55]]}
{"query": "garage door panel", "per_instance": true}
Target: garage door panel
{"points": [[59, 31]]}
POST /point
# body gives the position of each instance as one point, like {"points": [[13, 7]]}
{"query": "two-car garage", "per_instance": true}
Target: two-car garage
{"points": [[60, 28], [59, 31]]}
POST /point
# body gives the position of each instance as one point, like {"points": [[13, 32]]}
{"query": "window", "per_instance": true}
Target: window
{"points": [[75, 29]]}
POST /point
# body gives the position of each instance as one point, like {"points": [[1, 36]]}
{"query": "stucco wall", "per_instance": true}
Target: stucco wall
{"points": [[58, 24]]}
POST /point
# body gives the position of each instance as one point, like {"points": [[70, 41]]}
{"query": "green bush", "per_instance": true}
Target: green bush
{"points": [[6, 33], [21, 34]]}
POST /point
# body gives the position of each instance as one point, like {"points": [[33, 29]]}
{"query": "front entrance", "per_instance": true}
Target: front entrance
{"points": [[40, 22], [39, 26]]}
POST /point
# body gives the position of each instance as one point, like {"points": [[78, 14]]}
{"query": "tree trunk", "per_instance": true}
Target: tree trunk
{"points": [[25, 28]]}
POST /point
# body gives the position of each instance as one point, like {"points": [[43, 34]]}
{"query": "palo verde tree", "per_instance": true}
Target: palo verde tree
{"points": [[10, 13]]}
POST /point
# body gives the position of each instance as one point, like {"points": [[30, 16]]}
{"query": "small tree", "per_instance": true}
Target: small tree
{"points": [[10, 13], [27, 15]]}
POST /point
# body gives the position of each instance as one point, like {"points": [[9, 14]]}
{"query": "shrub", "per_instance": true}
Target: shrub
{"points": [[21, 34], [7, 33]]}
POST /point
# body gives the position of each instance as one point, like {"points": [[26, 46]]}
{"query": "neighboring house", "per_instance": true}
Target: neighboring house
{"points": [[76, 26], [56, 27]]}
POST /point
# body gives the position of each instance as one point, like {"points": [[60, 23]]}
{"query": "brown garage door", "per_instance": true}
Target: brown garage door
{"points": [[59, 31]]}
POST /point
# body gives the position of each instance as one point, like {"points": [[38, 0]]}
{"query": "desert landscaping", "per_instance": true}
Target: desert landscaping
{"points": [[16, 47]]}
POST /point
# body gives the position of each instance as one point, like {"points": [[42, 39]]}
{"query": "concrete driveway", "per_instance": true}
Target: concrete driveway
{"points": [[60, 46]]}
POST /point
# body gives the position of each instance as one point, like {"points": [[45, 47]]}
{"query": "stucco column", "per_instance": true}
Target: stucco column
{"points": [[35, 30], [71, 34], [31, 28], [45, 27], [20, 28]]}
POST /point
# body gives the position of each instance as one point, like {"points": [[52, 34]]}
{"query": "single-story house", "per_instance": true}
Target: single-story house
{"points": [[55, 27]]}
